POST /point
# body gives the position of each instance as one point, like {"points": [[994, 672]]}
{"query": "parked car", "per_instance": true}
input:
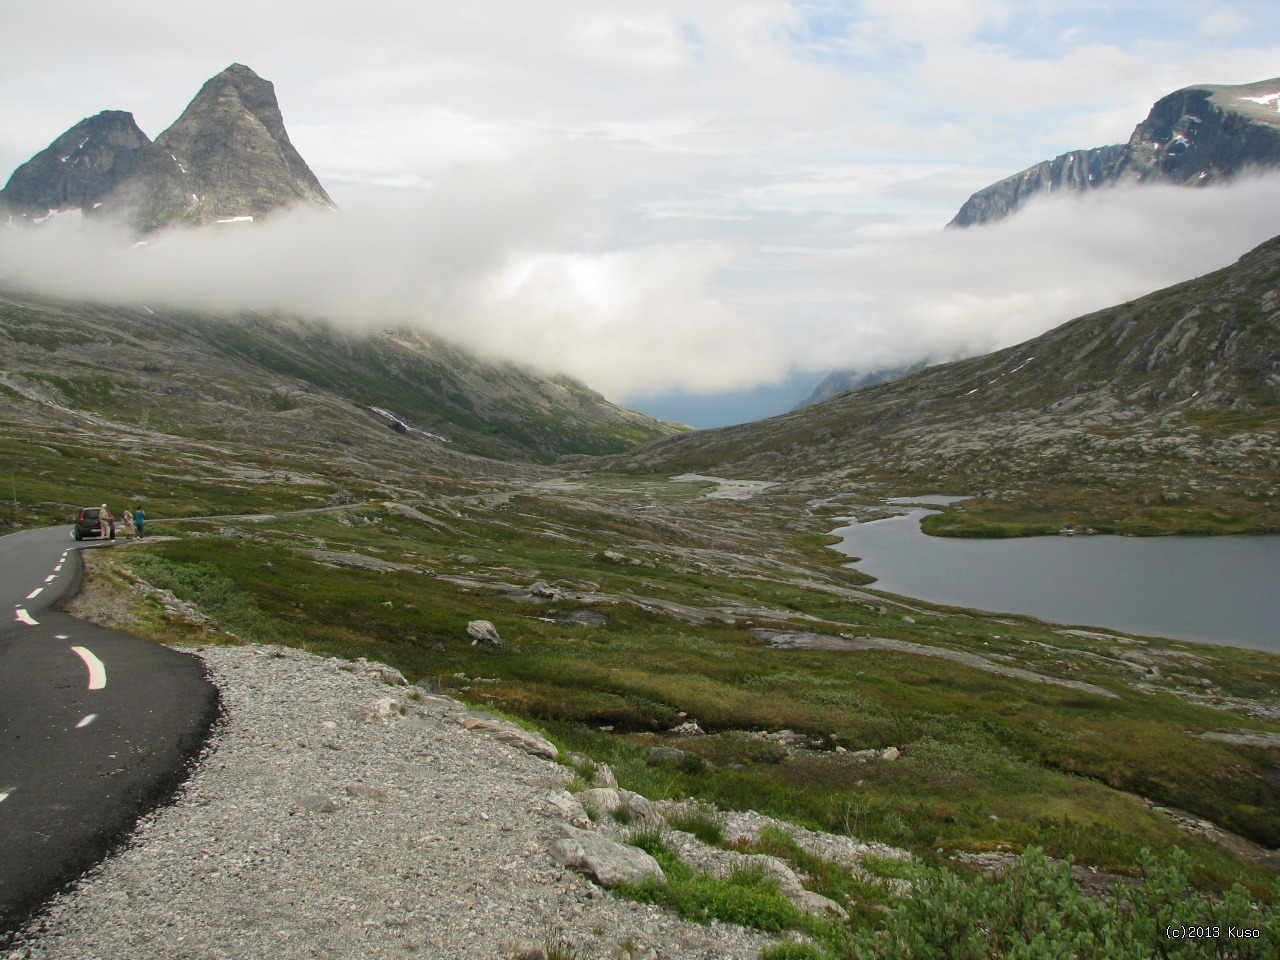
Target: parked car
{"points": [[88, 524]]}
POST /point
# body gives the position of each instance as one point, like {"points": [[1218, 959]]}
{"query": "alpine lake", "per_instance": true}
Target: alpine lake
{"points": [[1218, 590]]}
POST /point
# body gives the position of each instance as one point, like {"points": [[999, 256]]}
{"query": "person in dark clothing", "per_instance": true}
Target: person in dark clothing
{"points": [[139, 518]]}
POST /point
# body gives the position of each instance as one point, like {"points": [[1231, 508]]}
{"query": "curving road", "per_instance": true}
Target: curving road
{"points": [[96, 726]]}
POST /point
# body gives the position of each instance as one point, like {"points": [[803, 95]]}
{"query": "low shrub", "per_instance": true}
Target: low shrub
{"points": [[699, 820], [216, 596], [1035, 911], [793, 951]]}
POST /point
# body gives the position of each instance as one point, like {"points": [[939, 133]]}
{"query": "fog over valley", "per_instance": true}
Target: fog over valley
{"points": [[498, 263], [671, 203]]}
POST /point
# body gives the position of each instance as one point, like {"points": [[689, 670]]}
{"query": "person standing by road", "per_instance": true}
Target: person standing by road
{"points": [[128, 522], [139, 519], [104, 522]]}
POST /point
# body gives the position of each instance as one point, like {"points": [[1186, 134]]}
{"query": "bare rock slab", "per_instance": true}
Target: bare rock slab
{"points": [[504, 731], [607, 862]]}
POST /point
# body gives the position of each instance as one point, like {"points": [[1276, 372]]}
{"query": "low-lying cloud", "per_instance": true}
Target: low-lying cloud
{"points": [[520, 266]]}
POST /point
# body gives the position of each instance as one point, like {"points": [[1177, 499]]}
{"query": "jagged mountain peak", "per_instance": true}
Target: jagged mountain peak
{"points": [[238, 87], [79, 168], [227, 157]]}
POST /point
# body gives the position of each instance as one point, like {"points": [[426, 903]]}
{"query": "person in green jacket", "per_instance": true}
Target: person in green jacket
{"points": [[139, 518]]}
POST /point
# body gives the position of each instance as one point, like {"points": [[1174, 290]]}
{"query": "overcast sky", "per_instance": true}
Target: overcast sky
{"points": [[661, 197]]}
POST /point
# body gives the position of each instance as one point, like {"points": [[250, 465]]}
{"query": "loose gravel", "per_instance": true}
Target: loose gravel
{"points": [[335, 816]]}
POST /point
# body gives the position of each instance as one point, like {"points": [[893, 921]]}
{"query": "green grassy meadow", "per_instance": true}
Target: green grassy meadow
{"points": [[988, 762]]}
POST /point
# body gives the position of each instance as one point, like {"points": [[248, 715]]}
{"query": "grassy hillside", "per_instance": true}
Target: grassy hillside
{"points": [[260, 378], [1157, 416]]}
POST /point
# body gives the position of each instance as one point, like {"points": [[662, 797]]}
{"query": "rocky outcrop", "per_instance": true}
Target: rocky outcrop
{"points": [[78, 169], [226, 158], [606, 861], [1193, 137], [1204, 134], [512, 734], [1076, 171]]}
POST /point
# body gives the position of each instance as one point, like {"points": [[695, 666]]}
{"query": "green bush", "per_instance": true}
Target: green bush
{"points": [[793, 951], [749, 898], [215, 595], [700, 821], [1035, 912]]}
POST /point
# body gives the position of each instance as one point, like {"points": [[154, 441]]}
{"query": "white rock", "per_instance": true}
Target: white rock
{"points": [[606, 862], [568, 807], [511, 734], [483, 631], [603, 801], [384, 709]]}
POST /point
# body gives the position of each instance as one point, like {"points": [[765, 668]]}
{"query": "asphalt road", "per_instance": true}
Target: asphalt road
{"points": [[97, 727]]}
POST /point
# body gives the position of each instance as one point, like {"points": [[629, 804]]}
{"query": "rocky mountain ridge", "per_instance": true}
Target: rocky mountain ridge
{"points": [[1196, 136], [227, 158], [79, 168]]}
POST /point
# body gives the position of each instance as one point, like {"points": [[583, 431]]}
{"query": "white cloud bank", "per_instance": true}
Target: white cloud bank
{"points": [[661, 197], [496, 260]]}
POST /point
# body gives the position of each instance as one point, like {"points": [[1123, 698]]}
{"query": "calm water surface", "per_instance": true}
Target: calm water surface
{"points": [[1223, 590]]}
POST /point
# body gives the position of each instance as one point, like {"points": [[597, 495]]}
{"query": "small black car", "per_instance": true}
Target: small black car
{"points": [[88, 525]]}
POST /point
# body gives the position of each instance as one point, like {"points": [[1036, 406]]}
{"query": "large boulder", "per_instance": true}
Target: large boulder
{"points": [[482, 631], [607, 801], [605, 861]]}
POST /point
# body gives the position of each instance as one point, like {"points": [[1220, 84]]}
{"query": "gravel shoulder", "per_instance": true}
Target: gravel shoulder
{"points": [[337, 816]]}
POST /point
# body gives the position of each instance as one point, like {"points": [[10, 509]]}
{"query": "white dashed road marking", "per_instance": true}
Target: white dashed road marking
{"points": [[50, 578], [86, 721], [97, 671], [27, 618], [35, 593], [4, 795]]}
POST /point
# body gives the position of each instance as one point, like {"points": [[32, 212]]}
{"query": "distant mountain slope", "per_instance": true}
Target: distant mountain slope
{"points": [[842, 381], [79, 168], [228, 156], [293, 385], [1160, 414], [1077, 170], [1194, 137]]}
